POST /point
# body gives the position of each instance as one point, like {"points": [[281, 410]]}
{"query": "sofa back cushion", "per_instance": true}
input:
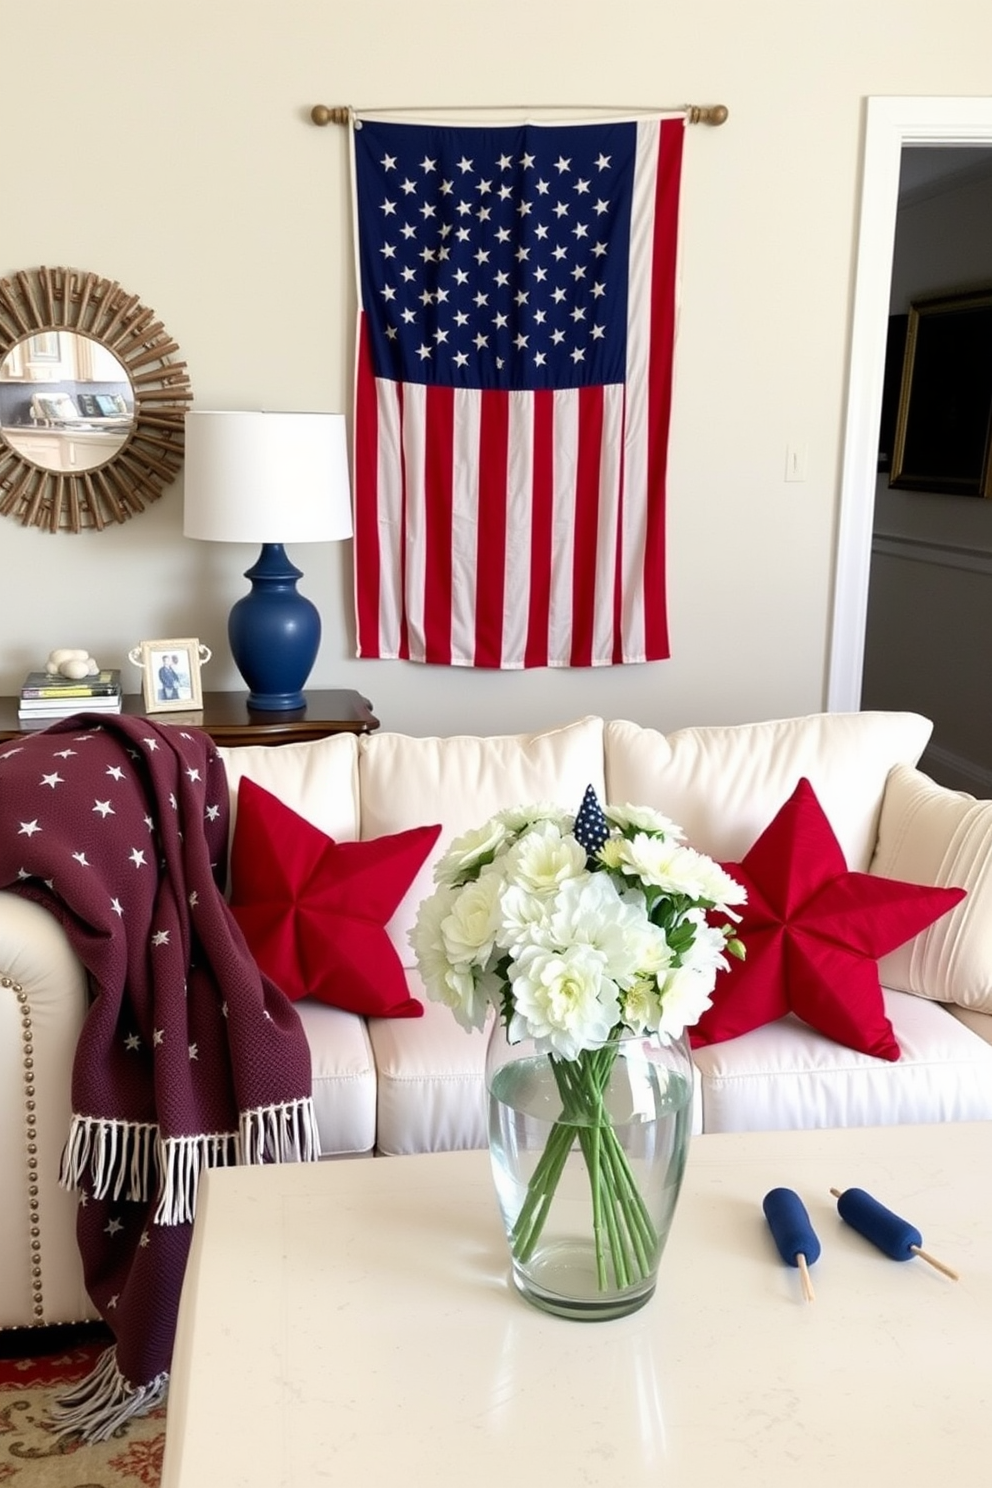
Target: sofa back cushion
{"points": [[318, 780], [931, 835], [461, 781], [724, 784]]}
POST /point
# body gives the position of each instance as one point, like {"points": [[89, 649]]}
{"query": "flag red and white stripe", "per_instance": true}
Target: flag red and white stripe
{"points": [[519, 524]]}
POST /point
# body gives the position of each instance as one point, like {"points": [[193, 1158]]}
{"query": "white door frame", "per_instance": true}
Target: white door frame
{"points": [[891, 124]]}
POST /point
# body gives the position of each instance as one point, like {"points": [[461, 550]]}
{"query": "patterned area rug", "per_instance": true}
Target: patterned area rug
{"points": [[32, 1456]]}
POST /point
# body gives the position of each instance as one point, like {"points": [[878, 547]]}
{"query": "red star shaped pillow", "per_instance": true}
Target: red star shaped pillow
{"points": [[813, 932], [314, 911]]}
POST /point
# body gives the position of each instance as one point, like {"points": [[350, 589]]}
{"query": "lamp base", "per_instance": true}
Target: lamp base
{"points": [[274, 633]]}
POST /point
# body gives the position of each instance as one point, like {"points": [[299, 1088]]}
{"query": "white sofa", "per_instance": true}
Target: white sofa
{"points": [[394, 1086]]}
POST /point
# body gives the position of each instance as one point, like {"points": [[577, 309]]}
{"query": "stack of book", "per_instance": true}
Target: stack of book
{"points": [[47, 695]]}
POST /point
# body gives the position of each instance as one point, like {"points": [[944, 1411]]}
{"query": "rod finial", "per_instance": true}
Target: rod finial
{"points": [[322, 114], [708, 113]]}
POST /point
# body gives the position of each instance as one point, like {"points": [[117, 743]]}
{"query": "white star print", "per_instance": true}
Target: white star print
{"points": [[112, 1302], [116, 906], [104, 807], [149, 823], [132, 1042], [193, 1052], [80, 858], [194, 899], [115, 771], [53, 780], [152, 745], [28, 829], [144, 1238], [158, 1034], [9, 753], [137, 857], [112, 1227], [160, 938]]}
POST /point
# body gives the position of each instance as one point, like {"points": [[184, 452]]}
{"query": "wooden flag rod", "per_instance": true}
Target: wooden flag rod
{"points": [[696, 113]]}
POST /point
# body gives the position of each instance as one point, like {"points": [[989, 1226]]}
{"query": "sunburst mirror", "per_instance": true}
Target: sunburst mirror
{"points": [[92, 404]]}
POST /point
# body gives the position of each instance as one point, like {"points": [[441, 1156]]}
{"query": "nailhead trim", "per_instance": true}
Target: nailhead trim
{"points": [[31, 1143]]}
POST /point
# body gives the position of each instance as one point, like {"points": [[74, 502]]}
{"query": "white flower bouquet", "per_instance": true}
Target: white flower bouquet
{"points": [[580, 931]]}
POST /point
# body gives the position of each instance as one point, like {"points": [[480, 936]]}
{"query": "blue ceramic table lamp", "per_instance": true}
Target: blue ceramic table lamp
{"points": [[269, 478]]}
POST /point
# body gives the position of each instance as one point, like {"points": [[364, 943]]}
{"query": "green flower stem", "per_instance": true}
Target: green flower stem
{"points": [[540, 1191], [622, 1225]]}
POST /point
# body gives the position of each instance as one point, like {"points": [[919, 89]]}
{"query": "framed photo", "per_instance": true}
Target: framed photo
{"points": [[171, 674], [942, 438]]}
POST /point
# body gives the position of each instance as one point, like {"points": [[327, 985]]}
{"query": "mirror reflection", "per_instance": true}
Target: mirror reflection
{"points": [[66, 402]]}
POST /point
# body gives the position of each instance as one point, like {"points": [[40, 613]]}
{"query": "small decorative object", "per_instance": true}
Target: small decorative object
{"points": [[269, 478], [171, 674], [896, 1237], [75, 664], [792, 1232], [591, 937]]}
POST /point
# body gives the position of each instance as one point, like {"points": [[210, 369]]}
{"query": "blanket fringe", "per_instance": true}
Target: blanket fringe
{"points": [[118, 1157], [282, 1133], [104, 1401], [182, 1160], [131, 1160]]}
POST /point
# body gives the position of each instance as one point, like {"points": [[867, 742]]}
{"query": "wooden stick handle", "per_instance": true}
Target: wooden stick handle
{"points": [[808, 1292], [933, 1261]]}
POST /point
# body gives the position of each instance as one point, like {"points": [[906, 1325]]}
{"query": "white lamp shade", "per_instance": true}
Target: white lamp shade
{"points": [[266, 477]]}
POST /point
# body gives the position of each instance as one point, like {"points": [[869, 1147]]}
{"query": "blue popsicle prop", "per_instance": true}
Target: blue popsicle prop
{"points": [[792, 1232], [893, 1236]]}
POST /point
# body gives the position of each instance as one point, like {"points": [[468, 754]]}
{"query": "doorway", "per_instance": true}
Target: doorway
{"points": [[891, 125]]}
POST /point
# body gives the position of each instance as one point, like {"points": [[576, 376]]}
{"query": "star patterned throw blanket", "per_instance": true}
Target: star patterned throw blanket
{"points": [[188, 1057]]}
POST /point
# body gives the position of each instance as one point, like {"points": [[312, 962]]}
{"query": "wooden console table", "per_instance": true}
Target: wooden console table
{"points": [[226, 718]]}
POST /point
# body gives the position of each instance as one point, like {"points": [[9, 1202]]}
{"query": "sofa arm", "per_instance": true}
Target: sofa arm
{"points": [[43, 1000]]}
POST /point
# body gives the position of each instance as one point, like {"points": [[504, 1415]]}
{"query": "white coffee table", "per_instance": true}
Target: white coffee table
{"points": [[354, 1323]]}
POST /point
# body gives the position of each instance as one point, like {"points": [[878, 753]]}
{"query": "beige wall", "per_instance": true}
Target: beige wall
{"points": [[168, 146]]}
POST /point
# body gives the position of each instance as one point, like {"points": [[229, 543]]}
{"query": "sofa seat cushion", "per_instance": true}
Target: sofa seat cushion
{"points": [[723, 785], [786, 1075], [978, 1022], [431, 1090], [431, 1082], [344, 1078]]}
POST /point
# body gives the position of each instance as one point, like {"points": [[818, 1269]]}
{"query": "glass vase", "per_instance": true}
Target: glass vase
{"points": [[587, 1159]]}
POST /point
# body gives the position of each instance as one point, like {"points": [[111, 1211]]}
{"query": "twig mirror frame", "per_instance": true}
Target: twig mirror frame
{"points": [[34, 301]]}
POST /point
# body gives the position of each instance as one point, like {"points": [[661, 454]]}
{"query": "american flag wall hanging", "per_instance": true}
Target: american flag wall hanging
{"points": [[516, 328]]}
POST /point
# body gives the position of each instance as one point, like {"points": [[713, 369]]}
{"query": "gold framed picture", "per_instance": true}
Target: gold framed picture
{"points": [[170, 671], [943, 436]]}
